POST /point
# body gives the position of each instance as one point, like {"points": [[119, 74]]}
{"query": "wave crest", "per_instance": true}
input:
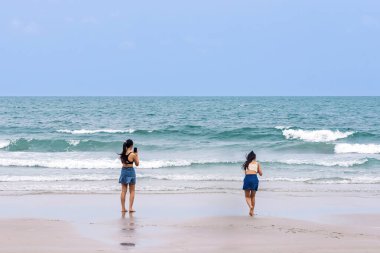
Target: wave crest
{"points": [[4, 143], [326, 163], [82, 161], [73, 142], [344, 180], [315, 135], [343, 148], [192, 177], [57, 178], [95, 131]]}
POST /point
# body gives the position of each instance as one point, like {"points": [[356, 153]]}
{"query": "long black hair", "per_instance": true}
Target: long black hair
{"points": [[249, 158], [127, 144]]}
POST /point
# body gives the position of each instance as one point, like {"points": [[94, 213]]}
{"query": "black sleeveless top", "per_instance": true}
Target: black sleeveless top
{"points": [[126, 160]]}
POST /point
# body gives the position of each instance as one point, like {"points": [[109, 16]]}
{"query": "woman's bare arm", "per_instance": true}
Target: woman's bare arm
{"points": [[259, 170], [136, 159]]}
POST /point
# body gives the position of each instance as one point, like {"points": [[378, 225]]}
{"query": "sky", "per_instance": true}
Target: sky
{"points": [[189, 48]]}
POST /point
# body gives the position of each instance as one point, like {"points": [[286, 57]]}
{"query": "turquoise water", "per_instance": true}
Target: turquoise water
{"points": [[189, 144]]}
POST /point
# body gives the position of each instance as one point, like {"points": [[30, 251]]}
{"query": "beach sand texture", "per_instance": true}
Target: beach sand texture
{"points": [[192, 223]]}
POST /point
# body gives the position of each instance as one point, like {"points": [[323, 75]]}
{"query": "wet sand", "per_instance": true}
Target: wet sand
{"points": [[38, 235], [190, 223]]}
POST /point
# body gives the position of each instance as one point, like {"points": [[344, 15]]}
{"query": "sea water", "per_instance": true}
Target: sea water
{"points": [[189, 144]]}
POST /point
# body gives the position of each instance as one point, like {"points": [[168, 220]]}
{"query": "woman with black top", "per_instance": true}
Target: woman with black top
{"points": [[127, 178]]}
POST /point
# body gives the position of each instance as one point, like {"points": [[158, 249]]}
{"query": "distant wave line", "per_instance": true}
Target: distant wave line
{"points": [[73, 161], [193, 177], [87, 131]]}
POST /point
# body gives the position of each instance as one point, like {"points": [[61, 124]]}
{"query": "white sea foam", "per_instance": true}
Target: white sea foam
{"points": [[345, 180], [97, 177], [4, 143], [168, 177], [59, 187], [230, 178], [327, 180], [61, 163], [217, 178], [91, 177], [357, 148], [282, 127], [83, 160], [191, 177], [286, 179], [326, 163], [93, 160], [95, 131], [73, 142], [315, 135], [365, 180], [93, 163], [154, 164]]}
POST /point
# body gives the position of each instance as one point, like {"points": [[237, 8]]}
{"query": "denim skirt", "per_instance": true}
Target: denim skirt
{"points": [[127, 176], [251, 182]]}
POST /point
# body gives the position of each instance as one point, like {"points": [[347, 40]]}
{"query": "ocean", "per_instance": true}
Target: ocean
{"points": [[189, 144]]}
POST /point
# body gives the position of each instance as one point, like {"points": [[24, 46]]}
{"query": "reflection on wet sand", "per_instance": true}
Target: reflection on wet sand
{"points": [[128, 230]]}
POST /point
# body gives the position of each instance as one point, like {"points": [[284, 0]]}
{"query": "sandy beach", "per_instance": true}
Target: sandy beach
{"points": [[224, 126], [190, 223]]}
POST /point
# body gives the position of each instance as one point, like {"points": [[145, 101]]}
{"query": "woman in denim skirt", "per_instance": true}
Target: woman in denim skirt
{"points": [[127, 178], [251, 182]]}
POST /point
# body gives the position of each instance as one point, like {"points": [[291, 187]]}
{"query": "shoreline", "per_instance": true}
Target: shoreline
{"points": [[192, 222], [277, 204]]}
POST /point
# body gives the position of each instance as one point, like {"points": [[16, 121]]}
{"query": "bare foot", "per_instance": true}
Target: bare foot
{"points": [[132, 210], [124, 211], [251, 211]]}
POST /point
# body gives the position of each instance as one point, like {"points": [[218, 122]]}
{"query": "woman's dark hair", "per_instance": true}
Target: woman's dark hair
{"points": [[127, 144], [249, 158]]}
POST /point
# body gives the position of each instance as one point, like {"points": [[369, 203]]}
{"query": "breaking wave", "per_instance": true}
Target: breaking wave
{"points": [[315, 135], [343, 148]]}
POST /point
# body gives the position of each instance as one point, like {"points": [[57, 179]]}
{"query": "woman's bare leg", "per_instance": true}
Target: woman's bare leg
{"points": [[253, 198], [124, 189], [131, 197], [248, 200]]}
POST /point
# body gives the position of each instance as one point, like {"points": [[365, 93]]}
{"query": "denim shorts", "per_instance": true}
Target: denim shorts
{"points": [[127, 176], [251, 182]]}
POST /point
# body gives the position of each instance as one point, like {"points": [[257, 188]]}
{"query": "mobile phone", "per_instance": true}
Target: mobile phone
{"points": [[135, 150]]}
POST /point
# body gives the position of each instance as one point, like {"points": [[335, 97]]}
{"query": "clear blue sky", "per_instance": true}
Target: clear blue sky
{"points": [[197, 47]]}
